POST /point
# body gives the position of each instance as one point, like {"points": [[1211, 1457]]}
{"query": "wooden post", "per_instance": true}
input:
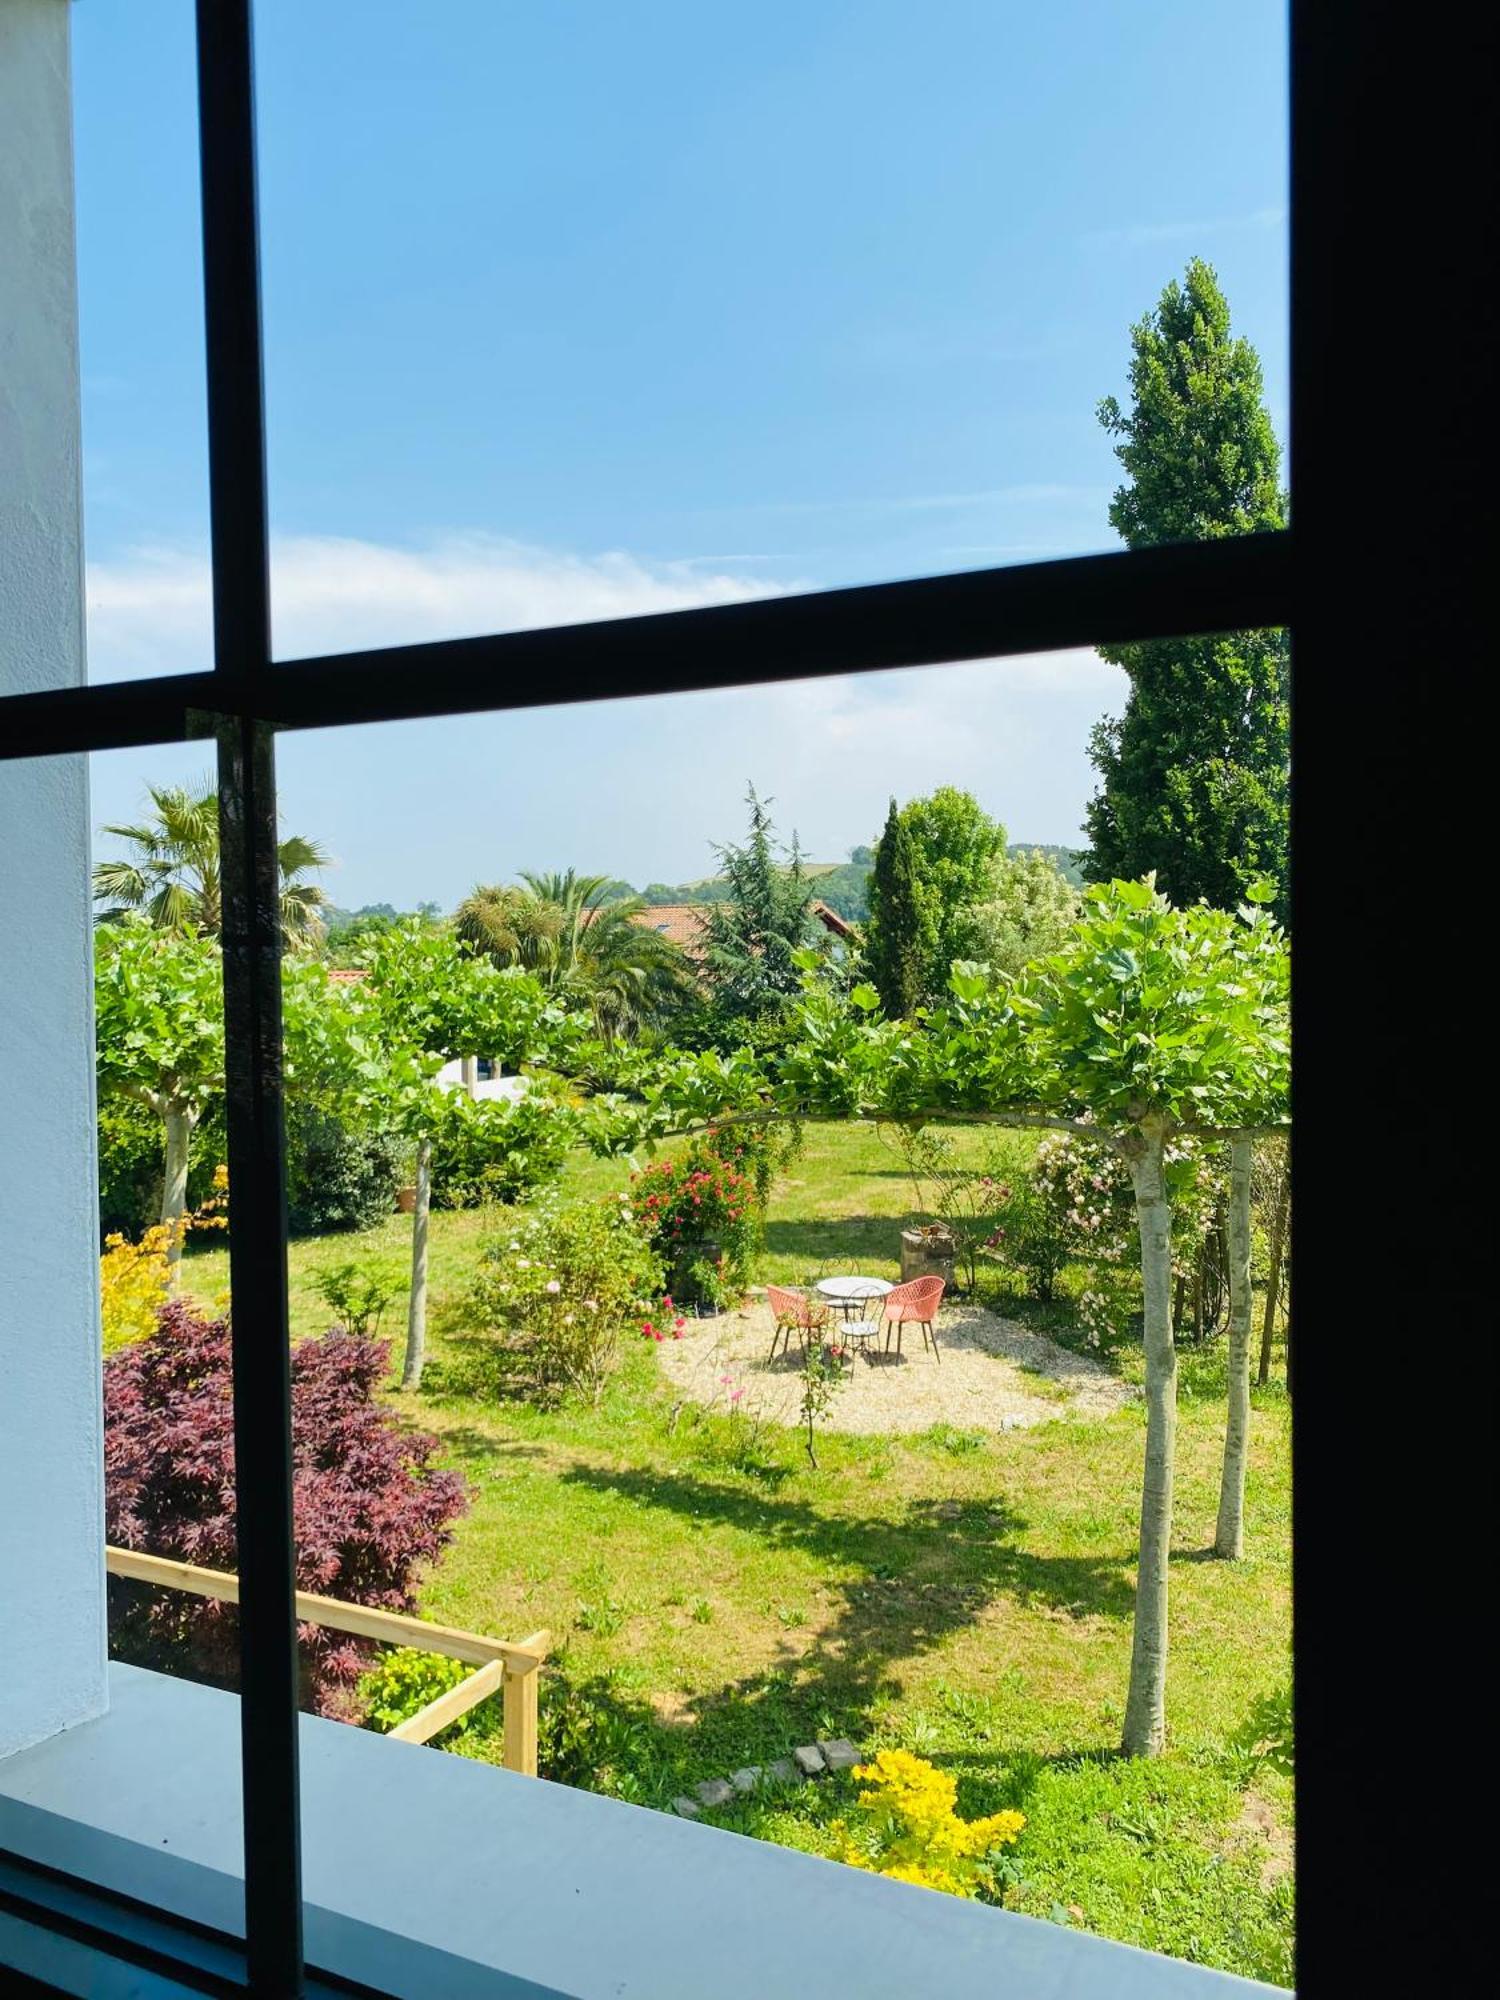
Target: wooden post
{"points": [[519, 1687]]}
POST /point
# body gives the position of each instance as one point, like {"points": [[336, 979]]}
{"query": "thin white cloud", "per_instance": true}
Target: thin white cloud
{"points": [[149, 611], [1137, 234], [420, 810]]}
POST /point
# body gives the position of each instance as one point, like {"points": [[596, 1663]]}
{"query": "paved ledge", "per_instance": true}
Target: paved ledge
{"points": [[429, 1874]]}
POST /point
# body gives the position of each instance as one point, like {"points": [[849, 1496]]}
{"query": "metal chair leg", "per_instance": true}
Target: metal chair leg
{"points": [[930, 1329]]}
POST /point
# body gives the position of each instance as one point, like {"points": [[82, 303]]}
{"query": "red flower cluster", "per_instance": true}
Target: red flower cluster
{"points": [[368, 1505], [696, 1209], [653, 1332]]}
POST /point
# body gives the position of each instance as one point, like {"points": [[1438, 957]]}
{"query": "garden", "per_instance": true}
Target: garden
{"points": [[728, 1579], [1003, 1610]]}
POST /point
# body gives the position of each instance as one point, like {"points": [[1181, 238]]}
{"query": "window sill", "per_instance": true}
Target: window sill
{"points": [[428, 1873]]}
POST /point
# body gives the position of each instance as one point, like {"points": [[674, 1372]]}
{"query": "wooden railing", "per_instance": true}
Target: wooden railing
{"points": [[513, 1670]]}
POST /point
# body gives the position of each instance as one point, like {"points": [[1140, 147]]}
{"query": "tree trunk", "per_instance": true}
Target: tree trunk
{"points": [[416, 1311], [1273, 1282], [178, 1120], [1145, 1705], [1229, 1536]]}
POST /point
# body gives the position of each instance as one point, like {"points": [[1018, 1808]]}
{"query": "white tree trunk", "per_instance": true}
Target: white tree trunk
{"points": [[1145, 1705], [416, 1311], [178, 1121], [1229, 1536]]}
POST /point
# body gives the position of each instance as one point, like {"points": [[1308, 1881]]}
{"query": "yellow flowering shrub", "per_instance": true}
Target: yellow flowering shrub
{"points": [[135, 1278], [908, 1827]]}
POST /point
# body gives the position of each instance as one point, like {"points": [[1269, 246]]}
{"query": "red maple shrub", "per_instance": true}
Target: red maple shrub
{"points": [[368, 1506]]}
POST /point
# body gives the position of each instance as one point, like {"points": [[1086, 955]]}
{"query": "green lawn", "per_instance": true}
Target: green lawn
{"points": [[966, 1595]]}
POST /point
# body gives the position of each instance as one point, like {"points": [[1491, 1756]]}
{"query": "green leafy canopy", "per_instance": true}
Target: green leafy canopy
{"points": [[1149, 1013]]}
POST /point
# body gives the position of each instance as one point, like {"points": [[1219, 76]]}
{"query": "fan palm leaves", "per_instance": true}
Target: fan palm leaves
{"points": [[558, 926], [512, 927], [171, 873]]}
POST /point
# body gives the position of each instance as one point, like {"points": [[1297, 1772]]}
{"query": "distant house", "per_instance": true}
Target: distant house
{"points": [[686, 923], [480, 1076]]}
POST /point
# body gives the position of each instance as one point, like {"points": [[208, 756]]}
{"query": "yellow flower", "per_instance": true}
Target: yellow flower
{"points": [[912, 1829], [133, 1281]]}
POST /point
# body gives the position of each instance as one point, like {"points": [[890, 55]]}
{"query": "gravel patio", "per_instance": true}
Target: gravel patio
{"points": [[994, 1375]]}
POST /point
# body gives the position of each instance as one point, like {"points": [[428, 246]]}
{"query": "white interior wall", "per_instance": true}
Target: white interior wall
{"points": [[52, 1606]]}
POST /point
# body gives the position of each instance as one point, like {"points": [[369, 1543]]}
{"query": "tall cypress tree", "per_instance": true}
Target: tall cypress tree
{"points": [[1195, 774], [896, 940]]}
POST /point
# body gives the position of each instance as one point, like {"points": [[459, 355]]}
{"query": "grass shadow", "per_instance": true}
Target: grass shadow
{"points": [[903, 1583]]}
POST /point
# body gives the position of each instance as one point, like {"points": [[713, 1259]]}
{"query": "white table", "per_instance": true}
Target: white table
{"points": [[853, 1291], [851, 1294]]}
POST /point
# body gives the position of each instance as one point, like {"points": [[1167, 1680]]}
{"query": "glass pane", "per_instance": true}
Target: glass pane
{"points": [[140, 283], [575, 312], [946, 1564], [119, 1731]]}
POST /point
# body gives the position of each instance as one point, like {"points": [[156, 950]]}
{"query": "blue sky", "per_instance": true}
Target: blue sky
{"points": [[576, 310]]}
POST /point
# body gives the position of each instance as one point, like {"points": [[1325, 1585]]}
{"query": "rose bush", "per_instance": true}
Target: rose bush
{"points": [[701, 1218], [563, 1286]]}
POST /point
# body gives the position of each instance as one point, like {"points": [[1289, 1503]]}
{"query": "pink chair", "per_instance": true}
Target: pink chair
{"points": [[795, 1313], [915, 1303]]}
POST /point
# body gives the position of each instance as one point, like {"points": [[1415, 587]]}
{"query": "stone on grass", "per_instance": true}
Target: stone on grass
{"points": [[840, 1754], [686, 1808], [714, 1792], [747, 1779], [809, 1760], [782, 1771]]}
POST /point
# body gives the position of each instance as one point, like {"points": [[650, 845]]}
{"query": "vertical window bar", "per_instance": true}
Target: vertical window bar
{"points": [[252, 1006]]}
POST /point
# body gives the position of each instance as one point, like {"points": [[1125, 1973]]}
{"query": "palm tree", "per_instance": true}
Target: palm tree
{"points": [[172, 873], [512, 927], [579, 946]]}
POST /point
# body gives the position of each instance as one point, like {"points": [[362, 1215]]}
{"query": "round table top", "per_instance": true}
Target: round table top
{"points": [[853, 1287]]}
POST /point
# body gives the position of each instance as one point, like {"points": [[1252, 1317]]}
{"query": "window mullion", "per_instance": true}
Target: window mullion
{"points": [[252, 1002]]}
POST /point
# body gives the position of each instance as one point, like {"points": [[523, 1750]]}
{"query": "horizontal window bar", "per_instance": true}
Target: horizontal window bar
{"points": [[1190, 587]]}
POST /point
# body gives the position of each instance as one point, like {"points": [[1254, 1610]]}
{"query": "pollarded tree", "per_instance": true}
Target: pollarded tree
{"points": [[159, 1039], [426, 1001], [1194, 774], [159, 1036], [1151, 1023], [899, 936]]}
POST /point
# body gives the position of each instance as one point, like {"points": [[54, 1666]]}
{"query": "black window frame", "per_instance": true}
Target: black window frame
{"points": [[1372, 206]]}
